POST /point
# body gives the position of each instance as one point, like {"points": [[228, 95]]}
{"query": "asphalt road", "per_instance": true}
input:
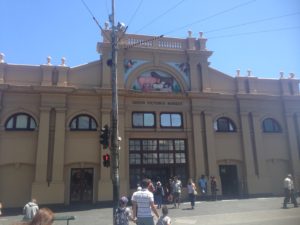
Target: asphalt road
{"points": [[256, 211]]}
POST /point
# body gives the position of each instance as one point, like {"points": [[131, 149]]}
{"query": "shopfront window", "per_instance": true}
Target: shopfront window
{"points": [[153, 158]]}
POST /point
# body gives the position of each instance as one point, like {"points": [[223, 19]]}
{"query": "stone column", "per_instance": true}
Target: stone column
{"points": [[198, 157], [63, 76], [57, 184], [40, 186], [42, 148], [293, 145], [249, 158], [211, 150], [206, 81], [195, 77], [213, 169], [263, 178], [46, 75], [59, 145]]}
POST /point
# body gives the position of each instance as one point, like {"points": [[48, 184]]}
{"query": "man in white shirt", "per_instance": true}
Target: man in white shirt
{"points": [[142, 204], [30, 209], [289, 193]]}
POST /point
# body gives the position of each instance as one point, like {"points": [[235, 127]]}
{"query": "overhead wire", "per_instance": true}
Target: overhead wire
{"points": [[252, 22], [212, 16], [88, 9], [135, 12], [161, 15], [255, 32]]}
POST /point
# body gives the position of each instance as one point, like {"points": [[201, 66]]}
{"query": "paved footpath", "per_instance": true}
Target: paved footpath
{"points": [[258, 211]]}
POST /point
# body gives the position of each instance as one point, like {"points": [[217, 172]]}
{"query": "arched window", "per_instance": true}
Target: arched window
{"points": [[20, 121], [83, 122], [224, 124], [271, 126]]}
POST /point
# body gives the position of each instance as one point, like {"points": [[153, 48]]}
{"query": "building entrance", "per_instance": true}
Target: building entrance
{"points": [[229, 180], [81, 185]]}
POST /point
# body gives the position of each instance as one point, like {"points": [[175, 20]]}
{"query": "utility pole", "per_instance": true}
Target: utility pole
{"points": [[114, 128]]}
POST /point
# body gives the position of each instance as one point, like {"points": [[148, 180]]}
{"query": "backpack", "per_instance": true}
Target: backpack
{"points": [[121, 216], [161, 221]]}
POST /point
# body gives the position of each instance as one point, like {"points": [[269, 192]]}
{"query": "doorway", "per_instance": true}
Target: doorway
{"points": [[229, 180], [81, 185]]}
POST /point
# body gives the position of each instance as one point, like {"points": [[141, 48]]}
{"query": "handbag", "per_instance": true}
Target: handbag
{"points": [[195, 192]]}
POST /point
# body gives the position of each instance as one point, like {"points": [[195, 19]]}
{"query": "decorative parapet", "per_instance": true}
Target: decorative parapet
{"points": [[128, 41]]}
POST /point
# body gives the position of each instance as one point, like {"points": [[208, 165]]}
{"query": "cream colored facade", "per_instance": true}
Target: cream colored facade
{"points": [[39, 162]]}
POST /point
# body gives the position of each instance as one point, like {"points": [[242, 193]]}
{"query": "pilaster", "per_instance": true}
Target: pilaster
{"points": [[42, 147], [293, 145], [195, 77], [47, 75], [40, 187], [249, 158], [263, 178], [198, 150], [59, 145], [206, 81], [63, 76], [211, 150]]}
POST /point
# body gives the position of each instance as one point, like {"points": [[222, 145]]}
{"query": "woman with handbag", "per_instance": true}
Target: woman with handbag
{"points": [[192, 192]]}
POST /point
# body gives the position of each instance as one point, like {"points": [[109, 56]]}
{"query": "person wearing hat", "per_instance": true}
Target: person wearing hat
{"points": [[123, 213], [289, 194]]}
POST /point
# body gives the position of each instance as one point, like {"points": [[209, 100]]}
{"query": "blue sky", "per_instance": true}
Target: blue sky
{"points": [[261, 35]]}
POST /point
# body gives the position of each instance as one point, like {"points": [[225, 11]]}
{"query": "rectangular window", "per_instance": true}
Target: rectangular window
{"points": [[134, 145], [141, 119], [173, 120], [134, 159], [154, 158]]}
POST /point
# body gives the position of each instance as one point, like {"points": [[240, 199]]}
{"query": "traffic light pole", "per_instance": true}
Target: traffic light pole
{"points": [[114, 128]]}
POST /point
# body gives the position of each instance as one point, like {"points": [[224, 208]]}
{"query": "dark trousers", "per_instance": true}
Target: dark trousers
{"points": [[289, 195], [192, 199]]}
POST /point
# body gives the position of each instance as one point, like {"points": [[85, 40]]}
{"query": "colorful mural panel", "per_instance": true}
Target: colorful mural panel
{"points": [[130, 65], [156, 81]]}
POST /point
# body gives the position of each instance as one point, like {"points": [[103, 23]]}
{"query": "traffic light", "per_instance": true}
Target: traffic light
{"points": [[106, 160], [104, 136]]}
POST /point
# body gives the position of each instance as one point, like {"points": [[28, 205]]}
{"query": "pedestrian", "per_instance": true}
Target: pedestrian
{"points": [[164, 219], [151, 187], [289, 191], [192, 192], [202, 185], [143, 201], [213, 187], [123, 213], [176, 191], [30, 209], [159, 194], [0, 208]]}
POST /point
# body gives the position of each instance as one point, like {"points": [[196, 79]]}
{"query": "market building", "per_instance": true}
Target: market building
{"points": [[177, 116]]}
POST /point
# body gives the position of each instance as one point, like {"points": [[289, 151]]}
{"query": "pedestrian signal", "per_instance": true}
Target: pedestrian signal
{"points": [[106, 160]]}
